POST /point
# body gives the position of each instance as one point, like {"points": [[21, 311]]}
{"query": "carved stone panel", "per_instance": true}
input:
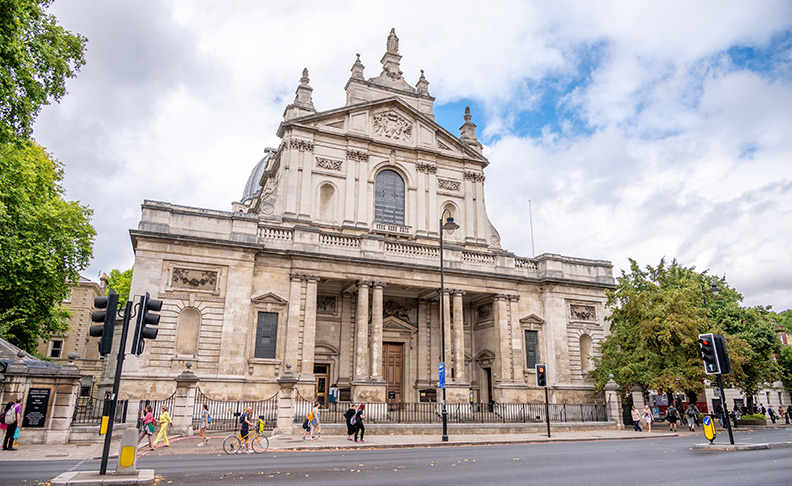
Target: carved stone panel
{"points": [[392, 125], [190, 279], [448, 185], [326, 304], [579, 312], [329, 164]]}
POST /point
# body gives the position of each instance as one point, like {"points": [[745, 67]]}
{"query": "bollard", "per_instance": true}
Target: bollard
{"points": [[127, 455]]}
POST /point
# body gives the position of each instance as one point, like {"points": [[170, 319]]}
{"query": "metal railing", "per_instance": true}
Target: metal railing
{"points": [[225, 413], [156, 407], [89, 411], [481, 413]]}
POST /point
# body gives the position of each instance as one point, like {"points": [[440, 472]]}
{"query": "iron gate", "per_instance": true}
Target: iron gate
{"points": [[225, 413], [156, 407]]}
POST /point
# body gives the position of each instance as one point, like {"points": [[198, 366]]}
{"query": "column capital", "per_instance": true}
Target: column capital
{"points": [[499, 297], [458, 291], [312, 278], [364, 283], [379, 284], [296, 277]]}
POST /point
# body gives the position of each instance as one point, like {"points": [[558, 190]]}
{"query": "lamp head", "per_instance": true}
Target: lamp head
{"points": [[449, 225], [715, 290]]}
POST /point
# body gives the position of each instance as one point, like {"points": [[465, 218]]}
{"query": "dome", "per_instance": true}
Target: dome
{"points": [[252, 187]]}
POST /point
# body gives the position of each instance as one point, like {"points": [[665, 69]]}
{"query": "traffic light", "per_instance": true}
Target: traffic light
{"points": [[723, 354], [709, 354], [107, 317], [541, 375], [146, 319]]}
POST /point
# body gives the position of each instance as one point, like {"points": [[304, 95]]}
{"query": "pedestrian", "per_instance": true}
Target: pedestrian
{"points": [[12, 418], [359, 427], [206, 419], [692, 414], [349, 415], [719, 413], [147, 429], [788, 413], [314, 426], [672, 415], [244, 430], [772, 414], [636, 417], [762, 409], [647, 417], [164, 421], [781, 413]]}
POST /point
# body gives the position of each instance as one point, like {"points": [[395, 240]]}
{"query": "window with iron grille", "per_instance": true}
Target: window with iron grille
{"points": [[266, 335], [389, 198], [531, 349]]}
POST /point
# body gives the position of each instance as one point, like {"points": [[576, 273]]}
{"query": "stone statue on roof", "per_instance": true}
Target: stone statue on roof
{"points": [[393, 42]]}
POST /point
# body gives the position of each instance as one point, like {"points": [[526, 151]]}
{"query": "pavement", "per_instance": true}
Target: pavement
{"points": [[277, 443]]}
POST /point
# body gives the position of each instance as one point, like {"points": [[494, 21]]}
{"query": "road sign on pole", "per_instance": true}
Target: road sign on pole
{"points": [[441, 374]]}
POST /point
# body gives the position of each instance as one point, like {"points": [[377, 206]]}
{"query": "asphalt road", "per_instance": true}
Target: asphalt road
{"points": [[643, 462]]}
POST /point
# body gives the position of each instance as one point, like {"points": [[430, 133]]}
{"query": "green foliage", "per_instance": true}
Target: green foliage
{"points": [[657, 315], [785, 362], [36, 57], [753, 416], [121, 283], [45, 241]]}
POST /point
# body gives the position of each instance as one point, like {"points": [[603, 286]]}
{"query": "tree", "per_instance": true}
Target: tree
{"points": [[36, 57], [655, 322], [785, 362], [121, 283], [45, 241]]}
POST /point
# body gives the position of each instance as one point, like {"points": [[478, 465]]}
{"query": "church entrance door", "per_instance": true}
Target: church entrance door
{"points": [[393, 368]]}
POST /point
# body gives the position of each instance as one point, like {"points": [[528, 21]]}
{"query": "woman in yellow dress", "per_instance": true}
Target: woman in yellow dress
{"points": [[164, 421]]}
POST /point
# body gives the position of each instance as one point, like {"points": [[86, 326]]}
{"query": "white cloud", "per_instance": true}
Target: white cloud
{"points": [[682, 154]]}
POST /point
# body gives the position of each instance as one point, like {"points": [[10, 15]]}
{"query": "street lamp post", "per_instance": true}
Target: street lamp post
{"points": [[448, 226], [715, 290]]}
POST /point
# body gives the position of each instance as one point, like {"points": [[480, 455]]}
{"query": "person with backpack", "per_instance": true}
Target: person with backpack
{"points": [[349, 415], [672, 416], [12, 417], [244, 431], [313, 423], [692, 413], [206, 419]]}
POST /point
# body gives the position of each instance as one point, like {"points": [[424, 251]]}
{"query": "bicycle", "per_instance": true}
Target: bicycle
{"points": [[235, 443]]}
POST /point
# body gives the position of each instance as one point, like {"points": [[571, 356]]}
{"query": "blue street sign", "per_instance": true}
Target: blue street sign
{"points": [[442, 375]]}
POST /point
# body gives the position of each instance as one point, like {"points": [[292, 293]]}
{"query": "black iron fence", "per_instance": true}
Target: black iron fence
{"points": [[90, 410], [156, 407], [225, 413], [431, 412]]}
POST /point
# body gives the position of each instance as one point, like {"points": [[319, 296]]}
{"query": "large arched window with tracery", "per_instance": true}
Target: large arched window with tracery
{"points": [[389, 198]]}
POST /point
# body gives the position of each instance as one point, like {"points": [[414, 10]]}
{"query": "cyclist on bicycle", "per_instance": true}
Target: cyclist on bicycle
{"points": [[244, 432]]}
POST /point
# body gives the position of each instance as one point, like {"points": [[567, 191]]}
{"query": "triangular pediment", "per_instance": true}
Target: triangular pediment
{"points": [[532, 319], [269, 298], [396, 324], [389, 120]]}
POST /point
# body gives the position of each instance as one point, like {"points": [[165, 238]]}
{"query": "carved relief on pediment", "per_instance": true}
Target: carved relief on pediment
{"points": [[580, 312], [392, 125], [394, 309], [442, 146], [187, 278]]}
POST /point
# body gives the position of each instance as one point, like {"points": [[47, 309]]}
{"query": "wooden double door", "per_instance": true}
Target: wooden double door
{"points": [[393, 370]]}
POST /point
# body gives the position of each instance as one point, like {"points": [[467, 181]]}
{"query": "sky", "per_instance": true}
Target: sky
{"points": [[636, 130]]}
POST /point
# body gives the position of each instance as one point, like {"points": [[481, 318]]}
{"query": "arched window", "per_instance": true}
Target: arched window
{"points": [[389, 198], [187, 332]]}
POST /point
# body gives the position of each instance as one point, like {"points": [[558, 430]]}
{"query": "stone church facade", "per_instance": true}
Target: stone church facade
{"points": [[330, 266]]}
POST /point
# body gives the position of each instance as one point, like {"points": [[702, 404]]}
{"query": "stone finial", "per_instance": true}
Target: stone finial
{"points": [[72, 356], [468, 132], [612, 385], [357, 68], [423, 85], [303, 104], [188, 364]]}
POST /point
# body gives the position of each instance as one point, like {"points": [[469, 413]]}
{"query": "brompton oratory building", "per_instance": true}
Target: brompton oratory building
{"points": [[330, 265]]}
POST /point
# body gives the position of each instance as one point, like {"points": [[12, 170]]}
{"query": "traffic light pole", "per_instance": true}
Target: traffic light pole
{"points": [[547, 411], [725, 409], [116, 384]]}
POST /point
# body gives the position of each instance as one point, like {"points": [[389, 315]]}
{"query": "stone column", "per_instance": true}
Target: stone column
{"points": [[376, 332], [613, 403], [309, 330], [502, 344], [184, 402], [424, 338], [361, 333], [285, 419], [459, 338], [293, 324]]}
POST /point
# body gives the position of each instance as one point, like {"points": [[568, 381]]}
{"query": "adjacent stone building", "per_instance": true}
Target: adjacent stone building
{"points": [[330, 264]]}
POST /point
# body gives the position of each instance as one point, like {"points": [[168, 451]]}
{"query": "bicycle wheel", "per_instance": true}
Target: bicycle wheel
{"points": [[231, 444], [260, 444]]}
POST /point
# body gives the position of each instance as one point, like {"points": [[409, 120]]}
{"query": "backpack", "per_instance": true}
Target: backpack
{"points": [[208, 418], [10, 416], [242, 418], [310, 416], [672, 413]]}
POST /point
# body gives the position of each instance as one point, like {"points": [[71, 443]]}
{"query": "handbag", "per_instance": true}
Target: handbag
{"points": [[150, 427], [16, 434], [305, 424]]}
